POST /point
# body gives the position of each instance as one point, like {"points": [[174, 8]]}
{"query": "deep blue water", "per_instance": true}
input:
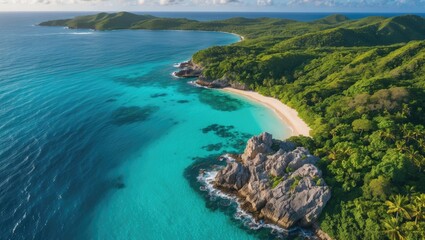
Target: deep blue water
{"points": [[311, 16], [99, 141], [207, 16], [96, 135]]}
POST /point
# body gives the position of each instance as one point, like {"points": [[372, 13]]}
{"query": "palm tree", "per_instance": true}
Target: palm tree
{"points": [[416, 211], [409, 135], [417, 208], [333, 154], [409, 190], [387, 134], [418, 131], [416, 157], [421, 200], [393, 229], [406, 129], [398, 206], [421, 142], [401, 145]]}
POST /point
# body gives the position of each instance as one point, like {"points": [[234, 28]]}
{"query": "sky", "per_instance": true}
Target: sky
{"points": [[413, 6]]}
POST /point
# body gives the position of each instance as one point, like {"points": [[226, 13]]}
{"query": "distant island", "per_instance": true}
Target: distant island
{"points": [[359, 84]]}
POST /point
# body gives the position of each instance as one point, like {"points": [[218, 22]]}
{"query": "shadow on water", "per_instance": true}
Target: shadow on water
{"points": [[232, 138], [132, 114], [111, 100], [157, 95], [213, 147], [160, 77], [220, 102], [136, 81]]}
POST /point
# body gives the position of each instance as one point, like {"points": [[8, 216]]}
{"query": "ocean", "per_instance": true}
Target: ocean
{"points": [[96, 136], [99, 141]]}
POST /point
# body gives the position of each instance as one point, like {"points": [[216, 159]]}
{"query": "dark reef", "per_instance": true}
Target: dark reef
{"points": [[132, 114]]}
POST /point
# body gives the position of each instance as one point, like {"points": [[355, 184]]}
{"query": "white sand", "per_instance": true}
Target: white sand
{"points": [[289, 116]]}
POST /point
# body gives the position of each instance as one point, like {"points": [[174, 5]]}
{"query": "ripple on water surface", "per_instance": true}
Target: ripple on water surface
{"points": [[94, 139]]}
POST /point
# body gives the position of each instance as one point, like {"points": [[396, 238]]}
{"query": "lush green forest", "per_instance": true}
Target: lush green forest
{"points": [[359, 84]]}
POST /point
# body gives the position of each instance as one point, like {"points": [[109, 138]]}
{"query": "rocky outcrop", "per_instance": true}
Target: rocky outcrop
{"points": [[188, 70], [239, 85], [276, 182], [214, 84], [220, 83]]}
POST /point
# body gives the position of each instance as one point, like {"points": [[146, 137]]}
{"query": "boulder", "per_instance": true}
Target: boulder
{"points": [[282, 185], [188, 73], [257, 144], [188, 70], [233, 176], [299, 199]]}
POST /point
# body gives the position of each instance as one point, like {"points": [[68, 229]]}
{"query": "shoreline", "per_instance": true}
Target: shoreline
{"points": [[287, 115]]}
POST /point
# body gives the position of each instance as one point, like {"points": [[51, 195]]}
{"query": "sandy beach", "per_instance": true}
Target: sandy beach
{"points": [[288, 115]]}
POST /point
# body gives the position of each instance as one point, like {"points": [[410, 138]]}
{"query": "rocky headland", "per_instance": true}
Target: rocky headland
{"points": [[219, 83], [276, 182], [188, 69]]}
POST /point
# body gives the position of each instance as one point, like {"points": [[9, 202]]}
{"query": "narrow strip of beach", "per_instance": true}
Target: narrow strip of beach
{"points": [[288, 115]]}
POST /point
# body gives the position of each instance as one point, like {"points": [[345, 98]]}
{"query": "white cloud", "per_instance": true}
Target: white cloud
{"points": [[222, 2], [347, 5], [264, 2], [165, 2], [317, 3]]}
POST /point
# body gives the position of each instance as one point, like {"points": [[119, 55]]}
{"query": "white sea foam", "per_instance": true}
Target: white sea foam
{"points": [[193, 83], [177, 65], [174, 75], [80, 33], [61, 33], [19, 222], [208, 177]]}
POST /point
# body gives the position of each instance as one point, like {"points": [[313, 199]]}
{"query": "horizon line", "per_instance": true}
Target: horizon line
{"points": [[203, 11]]}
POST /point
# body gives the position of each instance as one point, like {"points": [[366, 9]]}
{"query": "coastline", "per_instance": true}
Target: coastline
{"points": [[288, 115]]}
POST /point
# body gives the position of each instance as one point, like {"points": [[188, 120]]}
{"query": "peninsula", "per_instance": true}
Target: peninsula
{"points": [[360, 86]]}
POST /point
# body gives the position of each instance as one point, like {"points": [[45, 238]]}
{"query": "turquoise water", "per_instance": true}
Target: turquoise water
{"points": [[99, 141]]}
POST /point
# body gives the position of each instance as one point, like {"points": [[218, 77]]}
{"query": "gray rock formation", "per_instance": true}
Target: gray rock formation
{"points": [[188, 70], [277, 182], [214, 84]]}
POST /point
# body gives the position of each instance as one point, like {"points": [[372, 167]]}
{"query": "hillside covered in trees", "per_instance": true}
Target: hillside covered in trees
{"points": [[359, 84]]}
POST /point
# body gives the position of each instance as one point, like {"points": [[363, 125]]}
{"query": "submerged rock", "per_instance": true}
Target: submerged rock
{"points": [[277, 182], [132, 114]]}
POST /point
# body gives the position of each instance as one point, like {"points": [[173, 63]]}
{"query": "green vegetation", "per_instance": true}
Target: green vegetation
{"points": [[275, 180], [359, 84], [295, 182]]}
